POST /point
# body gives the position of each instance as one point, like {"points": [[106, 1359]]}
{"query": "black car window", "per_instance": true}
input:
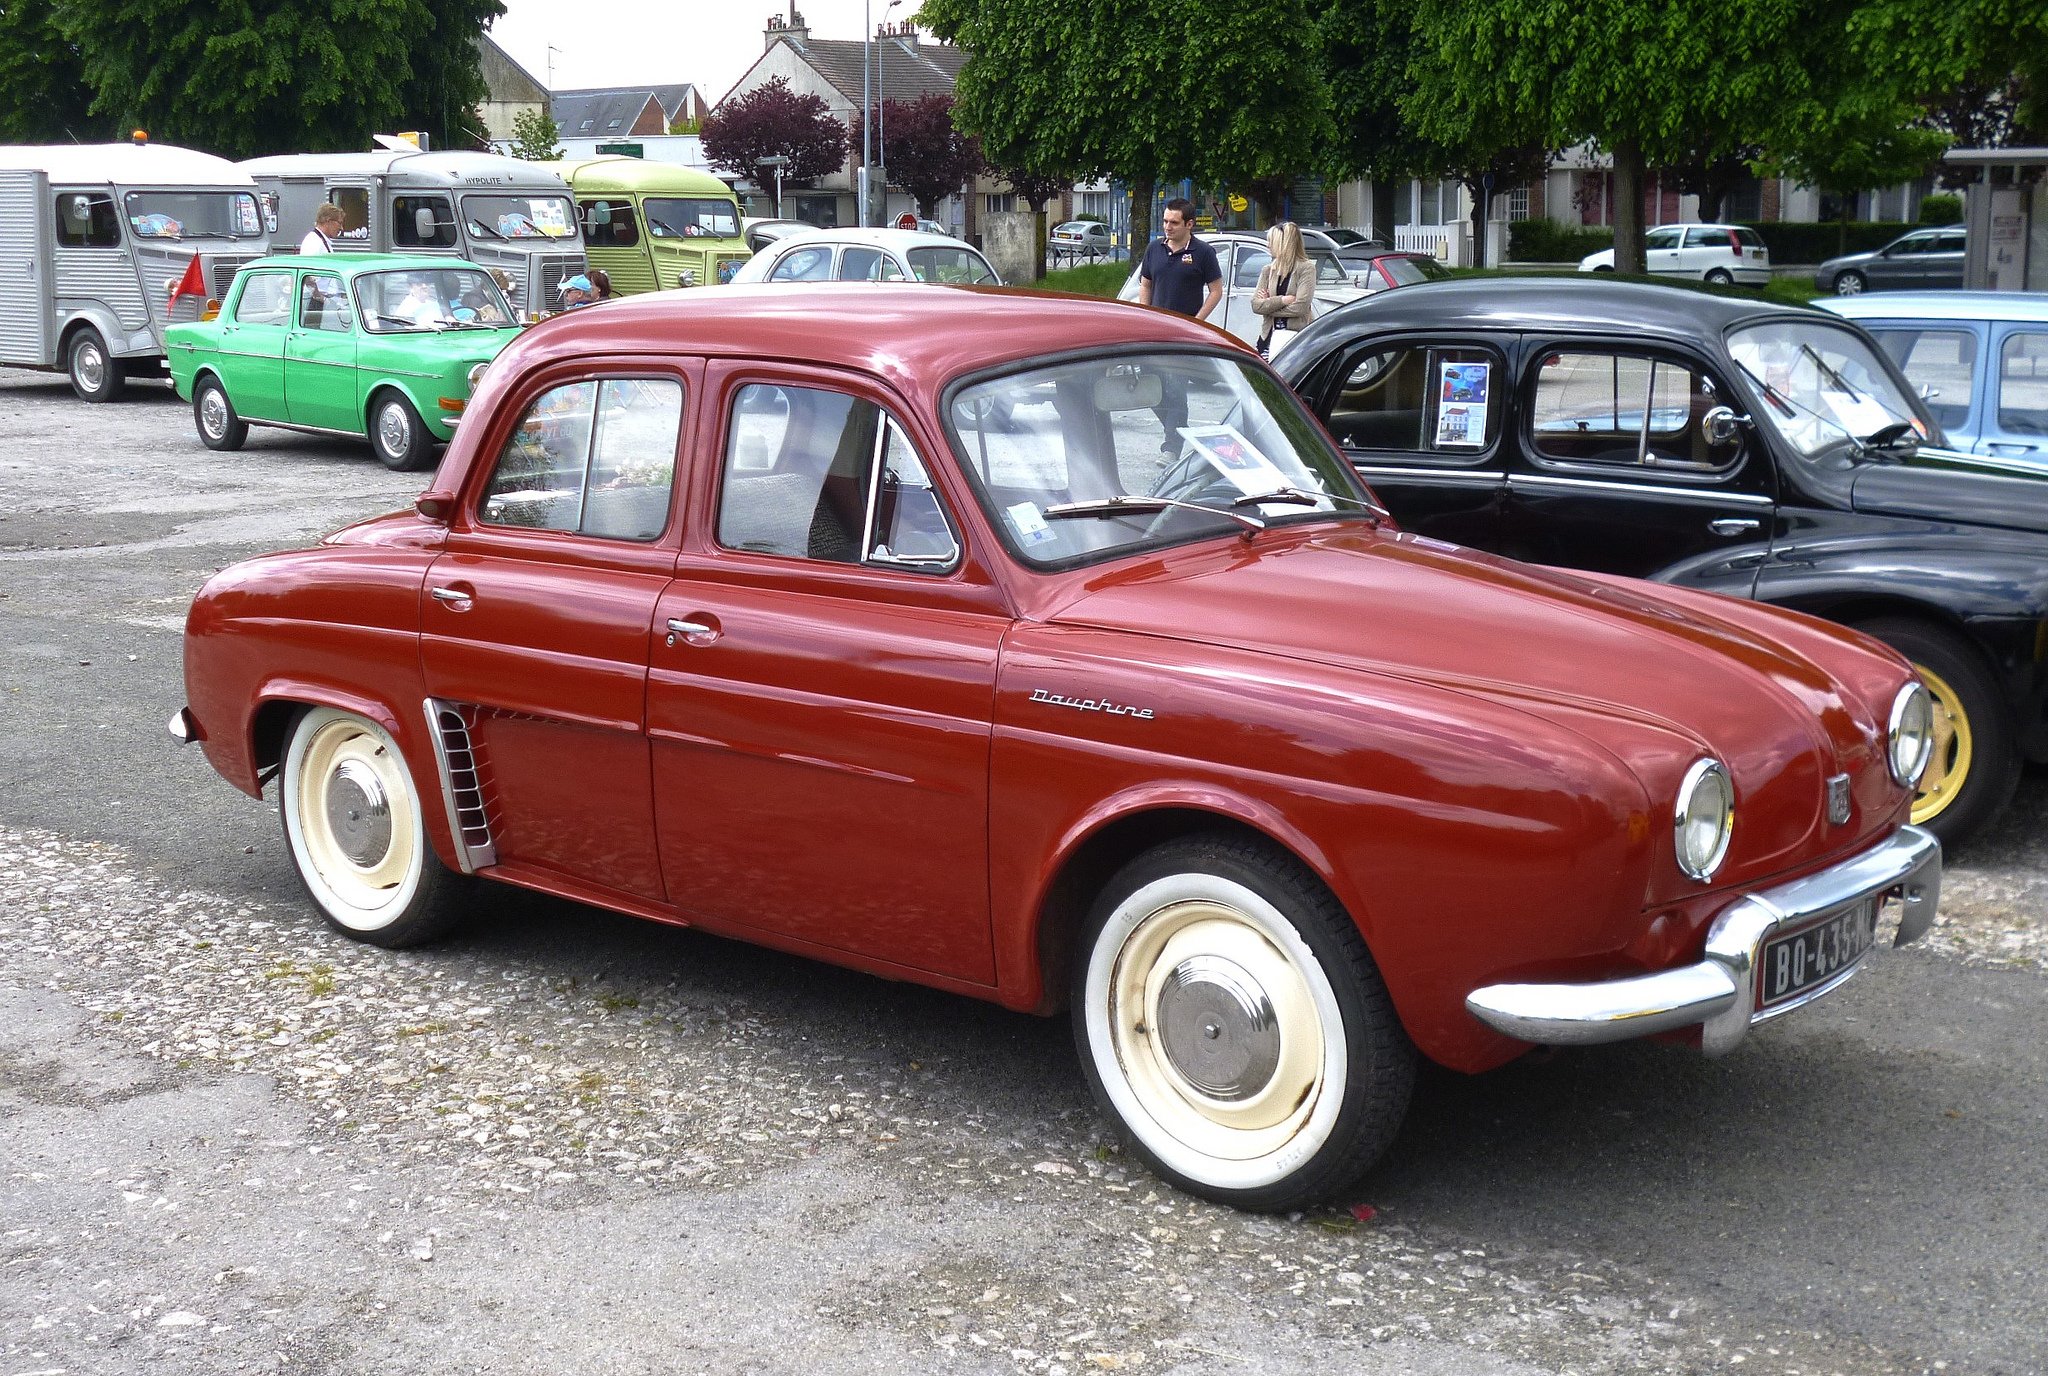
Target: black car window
{"points": [[1414, 397], [593, 458], [86, 220], [1950, 241], [1942, 362], [2023, 384], [812, 474], [609, 223], [1608, 407]]}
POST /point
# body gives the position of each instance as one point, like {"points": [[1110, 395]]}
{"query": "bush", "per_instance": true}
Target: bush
{"points": [[1942, 208], [1090, 279], [1546, 241], [1794, 242]]}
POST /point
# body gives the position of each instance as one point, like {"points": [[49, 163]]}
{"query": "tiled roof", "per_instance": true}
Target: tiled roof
{"points": [[601, 105], [908, 70]]}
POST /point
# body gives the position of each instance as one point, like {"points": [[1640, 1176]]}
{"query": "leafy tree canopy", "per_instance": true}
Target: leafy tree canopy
{"points": [[926, 153], [769, 121], [43, 96], [535, 136]]}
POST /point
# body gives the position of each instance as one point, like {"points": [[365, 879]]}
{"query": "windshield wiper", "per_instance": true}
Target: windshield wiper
{"points": [[1114, 506], [1297, 495]]}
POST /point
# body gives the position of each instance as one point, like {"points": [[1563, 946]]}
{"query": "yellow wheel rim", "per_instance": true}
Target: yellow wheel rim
{"points": [[1948, 766]]}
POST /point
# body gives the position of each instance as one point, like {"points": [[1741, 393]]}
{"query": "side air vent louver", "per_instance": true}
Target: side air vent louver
{"points": [[462, 786]]}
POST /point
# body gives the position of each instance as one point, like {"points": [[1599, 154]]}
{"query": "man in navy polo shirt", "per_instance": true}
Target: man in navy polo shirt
{"points": [[1180, 273]]}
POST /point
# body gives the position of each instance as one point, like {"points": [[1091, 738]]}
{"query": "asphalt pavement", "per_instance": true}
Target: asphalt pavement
{"points": [[568, 1141]]}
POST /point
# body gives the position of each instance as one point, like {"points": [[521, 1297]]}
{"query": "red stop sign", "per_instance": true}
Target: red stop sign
{"points": [[906, 220]]}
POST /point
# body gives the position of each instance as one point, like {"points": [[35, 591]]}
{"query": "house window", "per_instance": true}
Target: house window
{"points": [[1518, 203], [1095, 203], [997, 203]]}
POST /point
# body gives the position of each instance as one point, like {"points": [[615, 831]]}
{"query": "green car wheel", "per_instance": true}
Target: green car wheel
{"points": [[398, 435]]}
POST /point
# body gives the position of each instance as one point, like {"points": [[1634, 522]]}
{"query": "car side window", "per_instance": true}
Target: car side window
{"points": [[1250, 263], [406, 220], [609, 223], [860, 265], [1950, 241], [1942, 361], [1705, 238], [2023, 383], [1629, 409], [812, 264], [87, 221], [594, 458], [1661, 238], [1430, 401], [821, 475], [266, 299], [323, 304]]}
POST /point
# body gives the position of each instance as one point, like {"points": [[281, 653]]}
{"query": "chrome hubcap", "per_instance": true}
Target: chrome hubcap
{"points": [[1218, 1028], [392, 429], [359, 814], [92, 368], [213, 414]]}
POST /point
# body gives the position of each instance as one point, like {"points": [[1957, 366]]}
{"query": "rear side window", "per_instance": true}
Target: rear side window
{"points": [[1943, 362], [1418, 398], [1616, 408], [813, 474], [266, 299], [2023, 384], [87, 221], [593, 458], [1750, 238]]}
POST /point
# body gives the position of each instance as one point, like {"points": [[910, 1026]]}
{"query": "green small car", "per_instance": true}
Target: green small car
{"points": [[377, 344]]}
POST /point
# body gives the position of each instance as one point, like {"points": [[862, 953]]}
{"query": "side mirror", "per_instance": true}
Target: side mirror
{"points": [[435, 505], [81, 209], [1722, 426], [423, 223]]}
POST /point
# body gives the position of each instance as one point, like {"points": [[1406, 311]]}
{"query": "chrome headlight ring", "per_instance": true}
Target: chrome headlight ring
{"points": [[476, 374], [1909, 738], [1703, 820]]}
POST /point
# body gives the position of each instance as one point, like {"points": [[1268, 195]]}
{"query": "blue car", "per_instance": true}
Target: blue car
{"points": [[1980, 358]]}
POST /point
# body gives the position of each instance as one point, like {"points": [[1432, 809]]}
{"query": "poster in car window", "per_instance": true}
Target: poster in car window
{"points": [[1461, 404]]}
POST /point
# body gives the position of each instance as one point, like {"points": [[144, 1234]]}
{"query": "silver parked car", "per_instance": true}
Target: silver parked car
{"points": [[1924, 260]]}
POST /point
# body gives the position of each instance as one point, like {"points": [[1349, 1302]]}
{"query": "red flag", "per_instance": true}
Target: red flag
{"points": [[193, 283]]}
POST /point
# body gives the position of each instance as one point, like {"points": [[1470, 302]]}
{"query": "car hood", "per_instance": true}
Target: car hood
{"points": [[1848, 260], [1656, 678], [1963, 489]]}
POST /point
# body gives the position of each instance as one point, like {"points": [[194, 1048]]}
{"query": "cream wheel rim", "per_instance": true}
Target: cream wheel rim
{"points": [[1215, 1031], [352, 819]]}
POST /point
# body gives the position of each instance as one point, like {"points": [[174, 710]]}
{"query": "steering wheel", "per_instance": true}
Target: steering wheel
{"points": [[1217, 493]]}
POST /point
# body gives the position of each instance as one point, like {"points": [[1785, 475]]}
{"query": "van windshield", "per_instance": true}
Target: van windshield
{"points": [[707, 217], [193, 215], [519, 217]]}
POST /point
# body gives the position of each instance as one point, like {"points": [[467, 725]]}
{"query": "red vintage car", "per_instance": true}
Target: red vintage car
{"points": [[1046, 650]]}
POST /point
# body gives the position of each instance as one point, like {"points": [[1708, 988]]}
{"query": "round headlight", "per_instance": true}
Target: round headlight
{"points": [[686, 278], [1911, 737], [1705, 819], [476, 374]]}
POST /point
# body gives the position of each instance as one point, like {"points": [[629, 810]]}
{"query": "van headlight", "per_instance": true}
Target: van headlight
{"points": [[687, 277], [1705, 819], [1910, 739]]}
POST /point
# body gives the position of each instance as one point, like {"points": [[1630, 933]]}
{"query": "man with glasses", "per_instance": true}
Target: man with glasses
{"points": [[1180, 273]]}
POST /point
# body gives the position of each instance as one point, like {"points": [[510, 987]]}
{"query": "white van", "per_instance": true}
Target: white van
{"points": [[494, 211], [94, 238]]}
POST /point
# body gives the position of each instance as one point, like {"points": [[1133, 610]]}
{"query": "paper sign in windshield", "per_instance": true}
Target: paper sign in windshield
{"points": [[1227, 451], [1461, 404]]}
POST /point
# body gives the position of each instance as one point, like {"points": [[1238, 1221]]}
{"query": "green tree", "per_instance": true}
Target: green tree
{"points": [[43, 96], [1132, 89], [535, 136], [261, 76]]}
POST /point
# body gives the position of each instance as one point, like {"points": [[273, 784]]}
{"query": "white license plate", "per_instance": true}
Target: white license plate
{"points": [[1794, 964]]}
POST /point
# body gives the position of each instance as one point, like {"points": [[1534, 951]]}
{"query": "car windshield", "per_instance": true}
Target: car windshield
{"points": [[519, 217], [193, 215], [413, 299], [951, 265], [1085, 460], [1405, 270], [693, 217], [1822, 388], [1330, 268]]}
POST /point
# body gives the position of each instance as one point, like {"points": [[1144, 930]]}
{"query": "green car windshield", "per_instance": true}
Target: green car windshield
{"points": [[411, 300]]}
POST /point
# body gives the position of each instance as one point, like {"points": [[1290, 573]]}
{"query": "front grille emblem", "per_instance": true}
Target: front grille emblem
{"points": [[1838, 798]]}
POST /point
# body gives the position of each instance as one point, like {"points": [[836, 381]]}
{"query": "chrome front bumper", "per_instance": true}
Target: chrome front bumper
{"points": [[1720, 992]]}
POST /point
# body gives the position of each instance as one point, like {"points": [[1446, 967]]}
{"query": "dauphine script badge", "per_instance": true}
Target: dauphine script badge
{"points": [[1115, 709]]}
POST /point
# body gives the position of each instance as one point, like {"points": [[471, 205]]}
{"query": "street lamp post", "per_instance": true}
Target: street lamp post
{"points": [[776, 161], [869, 93]]}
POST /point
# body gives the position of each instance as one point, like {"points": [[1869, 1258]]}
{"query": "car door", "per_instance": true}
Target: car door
{"points": [[1613, 470], [1420, 417], [822, 688], [320, 356], [1241, 268], [1704, 250], [1902, 264], [252, 339], [1945, 259], [2016, 418], [1662, 251], [858, 263], [536, 621]]}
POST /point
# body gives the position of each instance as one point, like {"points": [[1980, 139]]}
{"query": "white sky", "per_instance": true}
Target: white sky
{"points": [[709, 43]]}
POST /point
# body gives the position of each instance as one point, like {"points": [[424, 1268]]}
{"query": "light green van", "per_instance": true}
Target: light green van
{"points": [[651, 225]]}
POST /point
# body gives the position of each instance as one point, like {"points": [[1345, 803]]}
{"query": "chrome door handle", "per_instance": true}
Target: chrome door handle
{"points": [[696, 632], [456, 598], [1735, 525], [2003, 447]]}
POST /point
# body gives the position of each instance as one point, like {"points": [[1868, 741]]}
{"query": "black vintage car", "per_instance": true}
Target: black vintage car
{"points": [[1757, 450]]}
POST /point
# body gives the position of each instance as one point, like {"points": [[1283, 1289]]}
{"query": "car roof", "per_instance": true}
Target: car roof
{"points": [[459, 170], [1565, 301], [912, 335], [615, 172], [1941, 305], [898, 239], [127, 164], [352, 263]]}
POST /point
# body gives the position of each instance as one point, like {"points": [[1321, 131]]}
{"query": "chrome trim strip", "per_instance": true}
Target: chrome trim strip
{"points": [[1541, 480], [461, 786], [304, 429], [1719, 991], [1454, 475]]}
